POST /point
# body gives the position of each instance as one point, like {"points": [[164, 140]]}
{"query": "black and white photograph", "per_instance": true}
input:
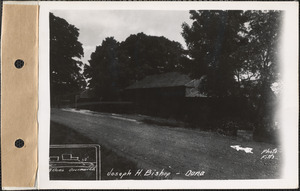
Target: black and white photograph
{"points": [[189, 94]]}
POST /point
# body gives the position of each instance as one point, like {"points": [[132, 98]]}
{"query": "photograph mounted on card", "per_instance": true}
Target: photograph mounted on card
{"points": [[175, 93], [156, 95]]}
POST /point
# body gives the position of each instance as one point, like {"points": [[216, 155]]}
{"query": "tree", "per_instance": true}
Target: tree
{"points": [[65, 52], [263, 61], [263, 46], [144, 55], [212, 40], [238, 51], [114, 66], [103, 69]]}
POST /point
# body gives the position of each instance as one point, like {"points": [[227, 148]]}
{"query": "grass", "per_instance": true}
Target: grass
{"points": [[214, 154], [161, 122]]}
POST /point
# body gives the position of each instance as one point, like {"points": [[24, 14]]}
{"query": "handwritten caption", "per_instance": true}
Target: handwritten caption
{"points": [[268, 154], [152, 173], [72, 169]]}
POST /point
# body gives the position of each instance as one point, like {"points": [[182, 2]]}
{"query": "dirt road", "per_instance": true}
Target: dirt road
{"points": [[177, 150]]}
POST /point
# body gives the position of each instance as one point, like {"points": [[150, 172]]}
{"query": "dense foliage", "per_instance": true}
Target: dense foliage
{"points": [[233, 48], [65, 52], [114, 66], [238, 52]]}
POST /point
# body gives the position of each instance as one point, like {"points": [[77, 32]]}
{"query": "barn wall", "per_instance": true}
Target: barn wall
{"points": [[154, 93]]}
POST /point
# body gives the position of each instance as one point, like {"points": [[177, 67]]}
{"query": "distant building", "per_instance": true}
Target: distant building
{"points": [[87, 95]]}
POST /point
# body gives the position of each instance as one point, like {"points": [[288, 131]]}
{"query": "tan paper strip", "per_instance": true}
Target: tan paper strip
{"points": [[19, 100]]}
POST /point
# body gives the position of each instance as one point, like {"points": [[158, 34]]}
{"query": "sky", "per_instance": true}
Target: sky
{"points": [[94, 26]]}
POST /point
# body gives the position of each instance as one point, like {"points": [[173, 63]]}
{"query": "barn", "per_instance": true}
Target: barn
{"points": [[168, 85], [166, 95]]}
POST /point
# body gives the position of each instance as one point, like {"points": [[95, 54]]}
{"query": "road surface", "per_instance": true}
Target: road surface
{"points": [[175, 149]]}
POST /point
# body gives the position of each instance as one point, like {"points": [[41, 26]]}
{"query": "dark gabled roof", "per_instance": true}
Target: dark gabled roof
{"points": [[171, 79]]}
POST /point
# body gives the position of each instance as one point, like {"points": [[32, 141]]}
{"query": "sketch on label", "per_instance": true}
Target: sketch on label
{"points": [[75, 161]]}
